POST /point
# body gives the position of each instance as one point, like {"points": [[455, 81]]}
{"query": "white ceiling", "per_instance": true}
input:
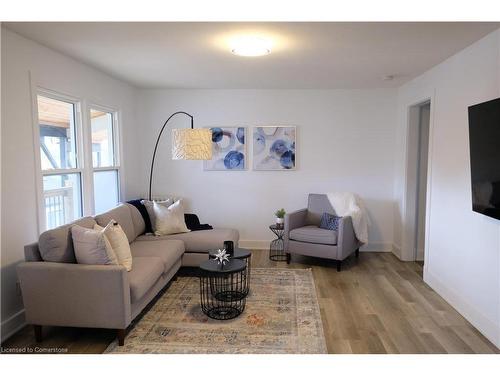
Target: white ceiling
{"points": [[305, 55]]}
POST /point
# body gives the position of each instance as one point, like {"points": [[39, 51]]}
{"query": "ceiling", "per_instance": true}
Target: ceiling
{"points": [[304, 55]]}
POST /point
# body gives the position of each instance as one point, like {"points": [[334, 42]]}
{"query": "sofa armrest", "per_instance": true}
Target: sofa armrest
{"points": [[75, 295], [295, 219], [347, 242]]}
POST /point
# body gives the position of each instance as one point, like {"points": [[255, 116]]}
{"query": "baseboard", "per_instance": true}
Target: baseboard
{"points": [[377, 247], [488, 328], [13, 324], [371, 247], [396, 250], [254, 244]]}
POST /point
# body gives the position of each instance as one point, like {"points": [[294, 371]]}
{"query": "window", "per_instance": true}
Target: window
{"points": [[62, 198], [62, 191], [78, 160], [104, 160]]}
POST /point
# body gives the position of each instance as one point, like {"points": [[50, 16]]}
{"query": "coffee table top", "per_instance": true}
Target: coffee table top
{"points": [[238, 253], [234, 265]]}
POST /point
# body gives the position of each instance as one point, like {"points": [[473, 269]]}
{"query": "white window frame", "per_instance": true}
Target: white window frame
{"points": [[90, 169], [79, 154], [83, 152]]}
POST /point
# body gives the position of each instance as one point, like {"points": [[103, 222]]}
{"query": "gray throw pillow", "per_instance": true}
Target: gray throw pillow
{"points": [[92, 247]]}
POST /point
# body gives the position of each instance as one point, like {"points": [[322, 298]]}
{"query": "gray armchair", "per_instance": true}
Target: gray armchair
{"points": [[303, 235]]}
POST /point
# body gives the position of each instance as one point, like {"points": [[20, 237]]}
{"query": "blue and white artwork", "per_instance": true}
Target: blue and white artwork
{"points": [[274, 148], [228, 149]]}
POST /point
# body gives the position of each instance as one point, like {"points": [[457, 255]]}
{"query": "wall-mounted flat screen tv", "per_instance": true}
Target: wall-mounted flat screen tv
{"points": [[484, 143]]}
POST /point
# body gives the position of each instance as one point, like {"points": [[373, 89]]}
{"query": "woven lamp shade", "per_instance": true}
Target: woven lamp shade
{"points": [[191, 144]]}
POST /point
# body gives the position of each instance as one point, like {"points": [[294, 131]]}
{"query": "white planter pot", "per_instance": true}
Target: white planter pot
{"points": [[279, 220]]}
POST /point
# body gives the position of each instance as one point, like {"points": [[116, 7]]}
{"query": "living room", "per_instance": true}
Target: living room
{"points": [[250, 187]]}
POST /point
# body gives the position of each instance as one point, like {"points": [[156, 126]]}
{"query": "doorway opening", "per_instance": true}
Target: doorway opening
{"points": [[418, 151]]}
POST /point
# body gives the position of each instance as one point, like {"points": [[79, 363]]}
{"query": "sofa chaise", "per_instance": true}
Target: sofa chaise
{"points": [[59, 292]]}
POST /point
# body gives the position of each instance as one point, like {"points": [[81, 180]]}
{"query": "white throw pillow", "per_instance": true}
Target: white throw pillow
{"points": [[169, 220], [92, 247], [119, 243], [151, 211]]}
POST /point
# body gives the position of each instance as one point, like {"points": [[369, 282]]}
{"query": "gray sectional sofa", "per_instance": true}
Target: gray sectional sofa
{"points": [[59, 292]]}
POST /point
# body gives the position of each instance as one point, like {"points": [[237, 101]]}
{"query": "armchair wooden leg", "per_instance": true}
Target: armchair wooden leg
{"points": [[38, 333], [339, 265], [120, 335], [288, 258], [357, 253]]}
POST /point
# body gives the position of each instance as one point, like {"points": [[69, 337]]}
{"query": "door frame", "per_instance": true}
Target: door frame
{"points": [[408, 251]]}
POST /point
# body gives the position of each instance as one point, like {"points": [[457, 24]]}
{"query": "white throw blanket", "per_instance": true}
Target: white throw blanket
{"points": [[348, 204]]}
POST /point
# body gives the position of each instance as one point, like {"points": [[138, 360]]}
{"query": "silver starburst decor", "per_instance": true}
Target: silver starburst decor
{"points": [[221, 257]]}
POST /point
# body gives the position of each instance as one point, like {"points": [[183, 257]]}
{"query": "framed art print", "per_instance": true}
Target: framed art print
{"points": [[228, 149], [274, 148]]}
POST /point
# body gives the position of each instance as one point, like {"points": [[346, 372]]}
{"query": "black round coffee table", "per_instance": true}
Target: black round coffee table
{"points": [[242, 254], [222, 288]]}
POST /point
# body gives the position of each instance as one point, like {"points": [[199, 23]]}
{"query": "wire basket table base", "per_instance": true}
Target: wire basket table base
{"points": [[223, 292], [244, 255], [277, 246]]}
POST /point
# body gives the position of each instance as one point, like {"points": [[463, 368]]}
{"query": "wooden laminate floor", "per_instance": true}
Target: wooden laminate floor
{"points": [[377, 304]]}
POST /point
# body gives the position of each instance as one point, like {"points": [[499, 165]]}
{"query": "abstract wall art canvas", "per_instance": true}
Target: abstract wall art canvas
{"points": [[228, 149], [274, 148]]}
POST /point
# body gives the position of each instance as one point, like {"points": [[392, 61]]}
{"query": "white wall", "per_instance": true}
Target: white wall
{"points": [[19, 208], [346, 141], [462, 260]]}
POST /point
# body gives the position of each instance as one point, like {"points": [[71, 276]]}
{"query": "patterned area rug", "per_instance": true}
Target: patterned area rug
{"points": [[281, 316]]}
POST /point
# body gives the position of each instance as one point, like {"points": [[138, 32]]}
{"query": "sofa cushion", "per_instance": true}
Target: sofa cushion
{"points": [[313, 234], [169, 251], [144, 213], [121, 214], [56, 245], [32, 253], [200, 241], [144, 274], [137, 219]]}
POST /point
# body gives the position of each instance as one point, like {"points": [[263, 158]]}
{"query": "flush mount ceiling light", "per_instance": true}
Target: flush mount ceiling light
{"points": [[251, 46]]}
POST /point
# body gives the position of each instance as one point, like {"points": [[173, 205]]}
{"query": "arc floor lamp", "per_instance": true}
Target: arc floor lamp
{"points": [[187, 144]]}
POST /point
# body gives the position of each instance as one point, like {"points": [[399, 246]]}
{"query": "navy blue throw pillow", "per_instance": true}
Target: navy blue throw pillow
{"points": [[329, 221]]}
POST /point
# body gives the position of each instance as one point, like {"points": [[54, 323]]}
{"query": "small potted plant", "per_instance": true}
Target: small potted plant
{"points": [[280, 217]]}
